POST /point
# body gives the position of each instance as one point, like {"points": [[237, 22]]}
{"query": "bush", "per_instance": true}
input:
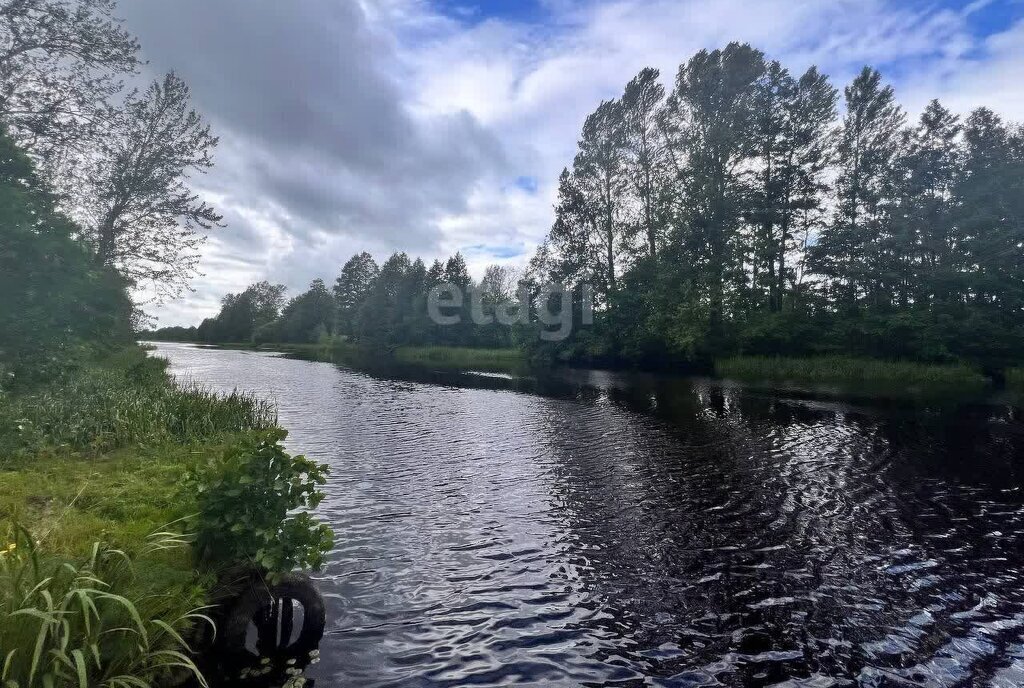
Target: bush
{"points": [[246, 500]]}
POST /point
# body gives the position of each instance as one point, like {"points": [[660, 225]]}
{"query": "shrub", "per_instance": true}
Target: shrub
{"points": [[247, 497]]}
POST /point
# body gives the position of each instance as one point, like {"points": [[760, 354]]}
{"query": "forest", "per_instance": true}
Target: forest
{"points": [[747, 210]]}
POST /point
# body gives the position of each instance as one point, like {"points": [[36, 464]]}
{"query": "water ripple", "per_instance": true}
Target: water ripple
{"points": [[636, 531]]}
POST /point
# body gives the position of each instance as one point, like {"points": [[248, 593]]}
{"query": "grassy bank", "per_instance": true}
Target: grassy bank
{"points": [[461, 357], [102, 475], [499, 360], [849, 371]]}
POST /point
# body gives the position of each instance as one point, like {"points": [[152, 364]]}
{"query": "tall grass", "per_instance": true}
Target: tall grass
{"points": [[84, 623], [101, 409], [461, 357], [848, 370]]}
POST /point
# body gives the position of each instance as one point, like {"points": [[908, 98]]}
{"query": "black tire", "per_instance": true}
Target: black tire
{"points": [[260, 597]]}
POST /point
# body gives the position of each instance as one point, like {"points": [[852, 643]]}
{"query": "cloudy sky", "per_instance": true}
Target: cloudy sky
{"points": [[435, 126]]}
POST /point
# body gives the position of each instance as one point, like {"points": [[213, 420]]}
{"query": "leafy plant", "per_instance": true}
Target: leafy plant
{"points": [[247, 500], [84, 624]]}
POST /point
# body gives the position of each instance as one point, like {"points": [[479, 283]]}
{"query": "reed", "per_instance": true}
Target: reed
{"points": [[847, 370], [103, 409], [461, 357]]}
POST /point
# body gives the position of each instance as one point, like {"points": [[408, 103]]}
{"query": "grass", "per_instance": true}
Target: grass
{"points": [[92, 464], [461, 357], [107, 407], [499, 360], [121, 496], [848, 370], [88, 622], [1015, 378]]}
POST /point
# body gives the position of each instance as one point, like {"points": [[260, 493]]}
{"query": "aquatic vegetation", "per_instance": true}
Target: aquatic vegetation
{"points": [[845, 369], [461, 357]]}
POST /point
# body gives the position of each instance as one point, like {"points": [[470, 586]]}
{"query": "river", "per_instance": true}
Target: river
{"points": [[599, 529]]}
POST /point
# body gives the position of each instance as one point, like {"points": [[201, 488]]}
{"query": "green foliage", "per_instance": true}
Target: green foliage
{"points": [[100, 408], [738, 214], [460, 357], [825, 369], [247, 497], [87, 624], [59, 306]]}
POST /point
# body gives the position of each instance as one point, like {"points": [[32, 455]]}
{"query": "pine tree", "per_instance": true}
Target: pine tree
{"points": [[351, 289]]}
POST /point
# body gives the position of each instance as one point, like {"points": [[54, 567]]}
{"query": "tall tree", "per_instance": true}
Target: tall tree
{"points": [[990, 213], [588, 237], [351, 289], [61, 61], [856, 250], [793, 129], [644, 153], [926, 220], [145, 217], [710, 122], [456, 272]]}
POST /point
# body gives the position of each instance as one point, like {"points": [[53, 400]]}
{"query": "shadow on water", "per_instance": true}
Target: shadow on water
{"points": [[606, 529]]}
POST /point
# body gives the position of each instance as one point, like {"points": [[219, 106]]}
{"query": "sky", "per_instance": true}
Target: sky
{"points": [[436, 126]]}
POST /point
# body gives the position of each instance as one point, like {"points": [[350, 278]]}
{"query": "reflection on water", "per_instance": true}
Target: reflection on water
{"points": [[596, 529]]}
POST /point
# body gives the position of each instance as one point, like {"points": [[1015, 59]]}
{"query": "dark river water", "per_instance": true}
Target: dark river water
{"points": [[598, 529]]}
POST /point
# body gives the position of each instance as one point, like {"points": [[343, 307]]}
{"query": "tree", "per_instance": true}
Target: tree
{"points": [[144, 216], [792, 131], [351, 289], [856, 250], [382, 311], [60, 63], [989, 215], [710, 121], [308, 318], [926, 221], [58, 305], [241, 315], [645, 155], [499, 284], [598, 173]]}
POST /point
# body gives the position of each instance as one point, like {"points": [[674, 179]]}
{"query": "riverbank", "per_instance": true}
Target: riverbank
{"points": [[820, 370], [846, 370], [490, 360], [102, 471]]}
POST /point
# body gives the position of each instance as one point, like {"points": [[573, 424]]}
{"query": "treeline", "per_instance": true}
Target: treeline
{"points": [[736, 213], [739, 212], [368, 303]]}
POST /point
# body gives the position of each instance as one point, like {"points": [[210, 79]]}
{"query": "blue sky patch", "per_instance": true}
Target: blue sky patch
{"points": [[495, 251]]}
